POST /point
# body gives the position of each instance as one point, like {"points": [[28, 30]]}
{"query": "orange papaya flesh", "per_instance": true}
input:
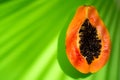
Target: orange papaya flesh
{"points": [[87, 41]]}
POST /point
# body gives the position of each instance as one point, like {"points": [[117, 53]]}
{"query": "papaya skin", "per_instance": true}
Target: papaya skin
{"points": [[72, 40]]}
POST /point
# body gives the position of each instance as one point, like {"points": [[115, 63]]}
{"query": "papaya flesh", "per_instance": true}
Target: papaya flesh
{"points": [[87, 41]]}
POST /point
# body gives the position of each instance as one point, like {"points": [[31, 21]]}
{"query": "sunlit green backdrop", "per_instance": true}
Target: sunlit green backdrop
{"points": [[29, 32]]}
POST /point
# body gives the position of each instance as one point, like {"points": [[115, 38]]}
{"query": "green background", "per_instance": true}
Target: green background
{"points": [[29, 33]]}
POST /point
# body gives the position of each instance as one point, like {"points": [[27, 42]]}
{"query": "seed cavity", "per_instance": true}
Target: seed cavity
{"points": [[90, 44]]}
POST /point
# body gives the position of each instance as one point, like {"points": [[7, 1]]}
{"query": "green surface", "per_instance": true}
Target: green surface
{"points": [[29, 33]]}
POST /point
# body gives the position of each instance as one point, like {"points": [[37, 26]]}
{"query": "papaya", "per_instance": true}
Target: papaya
{"points": [[87, 41]]}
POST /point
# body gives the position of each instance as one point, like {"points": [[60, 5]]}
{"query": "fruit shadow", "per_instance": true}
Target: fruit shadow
{"points": [[63, 60]]}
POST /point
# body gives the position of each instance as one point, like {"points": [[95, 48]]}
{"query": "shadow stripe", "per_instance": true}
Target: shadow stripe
{"points": [[110, 17], [9, 4], [93, 2], [19, 15], [24, 22], [62, 76], [40, 18], [114, 44], [39, 48], [118, 66], [34, 29], [98, 4], [10, 10], [46, 68]]}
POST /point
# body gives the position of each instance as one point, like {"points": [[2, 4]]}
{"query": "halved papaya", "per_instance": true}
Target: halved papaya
{"points": [[87, 41]]}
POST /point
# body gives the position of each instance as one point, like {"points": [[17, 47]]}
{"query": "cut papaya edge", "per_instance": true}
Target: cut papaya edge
{"points": [[73, 51]]}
